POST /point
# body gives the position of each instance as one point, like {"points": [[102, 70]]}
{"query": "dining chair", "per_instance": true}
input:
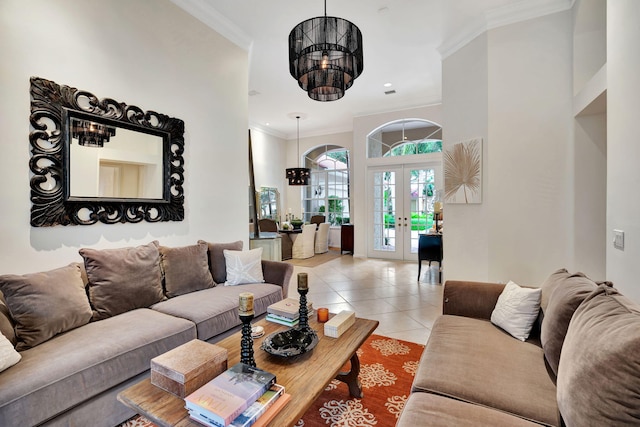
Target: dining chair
{"points": [[322, 238], [430, 249], [303, 246]]}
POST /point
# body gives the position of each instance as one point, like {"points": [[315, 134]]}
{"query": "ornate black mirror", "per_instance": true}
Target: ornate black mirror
{"points": [[98, 160]]}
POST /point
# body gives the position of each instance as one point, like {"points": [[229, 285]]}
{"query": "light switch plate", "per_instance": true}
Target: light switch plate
{"points": [[618, 239]]}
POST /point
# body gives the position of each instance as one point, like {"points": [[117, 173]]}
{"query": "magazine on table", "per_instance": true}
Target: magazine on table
{"points": [[288, 308], [253, 413], [226, 396], [281, 321]]}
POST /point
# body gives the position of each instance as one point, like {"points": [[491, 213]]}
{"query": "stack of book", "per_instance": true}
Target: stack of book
{"points": [[241, 396], [286, 312]]}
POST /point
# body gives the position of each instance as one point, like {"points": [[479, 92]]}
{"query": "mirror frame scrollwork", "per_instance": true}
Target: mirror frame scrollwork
{"points": [[49, 139]]}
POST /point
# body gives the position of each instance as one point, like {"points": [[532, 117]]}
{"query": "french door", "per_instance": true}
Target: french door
{"points": [[400, 208]]}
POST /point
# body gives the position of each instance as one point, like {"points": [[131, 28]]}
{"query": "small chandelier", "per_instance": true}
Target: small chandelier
{"points": [[91, 134], [325, 56], [298, 176]]}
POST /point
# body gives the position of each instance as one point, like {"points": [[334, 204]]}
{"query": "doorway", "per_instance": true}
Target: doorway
{"points": [[400, 204]]}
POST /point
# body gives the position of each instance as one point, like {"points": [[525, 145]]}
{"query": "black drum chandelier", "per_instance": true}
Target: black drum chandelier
{"points": [[298, 176], [325, 56], [91, 134]]}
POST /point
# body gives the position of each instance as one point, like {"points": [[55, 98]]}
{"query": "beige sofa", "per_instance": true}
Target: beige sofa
{"points": [[579, 367], [88, 330]]}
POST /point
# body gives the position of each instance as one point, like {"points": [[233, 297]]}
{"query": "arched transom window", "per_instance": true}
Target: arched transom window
{"points": [[405, 137]]}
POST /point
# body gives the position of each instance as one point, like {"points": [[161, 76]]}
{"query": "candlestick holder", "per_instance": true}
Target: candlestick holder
{"points": [[298, 340], [303, 310], [246, 342]]}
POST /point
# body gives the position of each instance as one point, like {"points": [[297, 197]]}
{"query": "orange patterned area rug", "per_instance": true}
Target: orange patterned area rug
{"points": [[387, 368]]}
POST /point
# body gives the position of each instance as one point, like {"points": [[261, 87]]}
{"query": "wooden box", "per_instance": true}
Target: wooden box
{"points": [[188, 367], [339, 323]]}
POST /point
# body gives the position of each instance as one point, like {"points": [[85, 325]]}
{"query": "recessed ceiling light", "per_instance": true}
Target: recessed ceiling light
{"points": [[388, 84], [267, 123]]}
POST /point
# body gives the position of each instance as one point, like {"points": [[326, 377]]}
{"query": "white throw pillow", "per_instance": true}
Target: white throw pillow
{"points": [[243, 267], [516, 310], [8, 355]]}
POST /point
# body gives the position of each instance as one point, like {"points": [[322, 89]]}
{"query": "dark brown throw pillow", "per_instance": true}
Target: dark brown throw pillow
{"points": [[548, 286], [598, 382], [45, 304], [186, 269], [6, 323], [123, 279], [563, 302], [217, 262]]}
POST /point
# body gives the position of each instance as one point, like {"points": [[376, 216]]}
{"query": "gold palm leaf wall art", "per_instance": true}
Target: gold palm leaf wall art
{"points": [[463, 172]]}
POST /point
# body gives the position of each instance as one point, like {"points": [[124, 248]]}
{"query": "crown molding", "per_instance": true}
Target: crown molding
{"points": [[267, 130], [205, 13], [501, 16]]}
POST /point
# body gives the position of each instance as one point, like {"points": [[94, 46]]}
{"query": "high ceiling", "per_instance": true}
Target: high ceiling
{"points": [[404, 43]]}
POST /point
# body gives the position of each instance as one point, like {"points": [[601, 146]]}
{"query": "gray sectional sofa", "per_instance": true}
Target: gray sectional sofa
{"points": [[580, 365], [88, 330]]}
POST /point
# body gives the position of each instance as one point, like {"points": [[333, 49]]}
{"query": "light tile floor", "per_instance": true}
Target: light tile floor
{"points": [[384, 290]]}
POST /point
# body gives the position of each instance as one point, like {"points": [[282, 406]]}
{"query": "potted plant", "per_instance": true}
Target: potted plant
{"points": [[296, 223]]}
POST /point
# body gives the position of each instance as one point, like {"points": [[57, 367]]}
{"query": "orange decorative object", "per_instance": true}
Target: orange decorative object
{"points": [[323, 315]]}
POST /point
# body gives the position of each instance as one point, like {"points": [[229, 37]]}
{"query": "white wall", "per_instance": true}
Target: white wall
{"points": [[523, 230], [465, 116], [530, 137], [623, 150], [269, 163], [147, 53], [590, 219]]}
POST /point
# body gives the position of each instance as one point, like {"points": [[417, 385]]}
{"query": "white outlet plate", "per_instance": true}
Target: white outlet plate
{"points": [[618, 239]]}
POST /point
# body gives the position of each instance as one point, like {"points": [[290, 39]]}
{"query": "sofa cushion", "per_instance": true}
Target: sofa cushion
{"points": [[123, 279], [474, 361], [548, 286], [516, 310], [45, 304], [562, 304], [217, 262], [599, 372], [8, 355], [427, 409], [243, 267], [186, 269], [6, 323], [78, 365], [221, 312]]}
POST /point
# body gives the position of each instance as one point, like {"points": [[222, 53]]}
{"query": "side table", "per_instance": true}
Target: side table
{"points": [[346, 238]]}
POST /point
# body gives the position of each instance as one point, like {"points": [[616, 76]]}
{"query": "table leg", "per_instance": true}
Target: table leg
{"points": [[351, 378]]}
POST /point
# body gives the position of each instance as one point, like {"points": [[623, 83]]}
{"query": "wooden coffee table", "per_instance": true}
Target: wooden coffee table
{"points": [[304, 376]]}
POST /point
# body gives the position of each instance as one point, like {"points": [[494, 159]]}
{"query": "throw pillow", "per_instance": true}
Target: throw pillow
{"points": [[598, 382], [186, 269], [7, 327], [554, 280], [516, 310], [45, 304], [243, 267], [217, 262], [563, 302], [123, 279], [8, 355]]}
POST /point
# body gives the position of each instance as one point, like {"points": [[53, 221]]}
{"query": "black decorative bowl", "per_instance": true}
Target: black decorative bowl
{"points": [[292, 342]]}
